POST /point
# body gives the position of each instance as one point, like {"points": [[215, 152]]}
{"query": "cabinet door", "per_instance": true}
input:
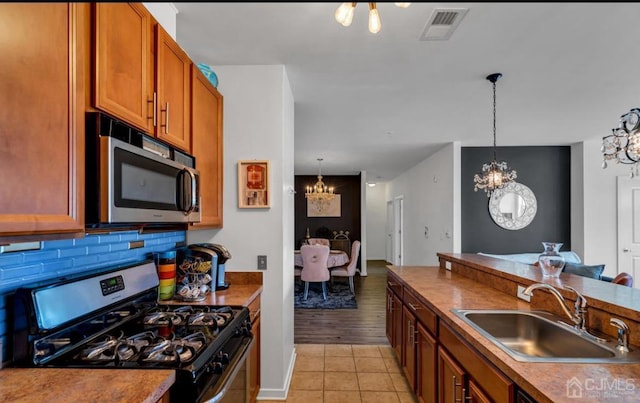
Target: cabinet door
{"points": [[452, 378], [389, 316], [123, 75], [254, 362], [173, 77], [42, 118], [206, 140], [426, 366], [397, 326], [475, 394], [409, 346]]}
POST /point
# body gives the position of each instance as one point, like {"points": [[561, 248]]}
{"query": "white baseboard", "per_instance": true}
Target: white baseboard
{"points": [[279, 394]]}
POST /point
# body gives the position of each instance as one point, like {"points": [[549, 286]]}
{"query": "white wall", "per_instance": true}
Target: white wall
{"points": [[258, 124], [599, 208], [431, 199], [376, 219], [165, 14]]}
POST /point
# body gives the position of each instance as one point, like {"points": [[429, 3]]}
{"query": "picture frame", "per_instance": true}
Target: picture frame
{"points": [[332, 210], [253, 184]]}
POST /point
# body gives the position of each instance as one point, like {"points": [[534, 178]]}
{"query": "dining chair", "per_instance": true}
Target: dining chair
{"points": [[625, 279], [318, 241], [314, 267], [349, 269]]}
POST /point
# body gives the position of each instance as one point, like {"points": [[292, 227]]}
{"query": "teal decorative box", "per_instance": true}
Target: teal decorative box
{"points": [[209, 73]]}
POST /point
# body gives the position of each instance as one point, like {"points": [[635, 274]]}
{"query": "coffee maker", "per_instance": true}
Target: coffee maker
{"points": [[218, 267]]}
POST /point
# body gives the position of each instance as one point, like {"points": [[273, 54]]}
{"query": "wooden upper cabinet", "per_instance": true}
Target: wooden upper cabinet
{"points": [[206, 132], [173, 78], [42, 118], [123, 63]]}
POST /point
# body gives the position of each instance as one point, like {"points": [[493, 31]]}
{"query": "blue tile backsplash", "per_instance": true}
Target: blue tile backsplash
{"points": [[67, 257]]}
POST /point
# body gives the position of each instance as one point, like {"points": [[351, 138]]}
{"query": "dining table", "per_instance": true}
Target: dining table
{"points": [[336, 258]]}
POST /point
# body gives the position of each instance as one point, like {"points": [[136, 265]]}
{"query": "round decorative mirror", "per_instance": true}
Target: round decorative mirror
{"points": [[513, 207]]}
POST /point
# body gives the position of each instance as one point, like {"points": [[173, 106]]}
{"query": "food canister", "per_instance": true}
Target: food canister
{"points": [[166, 265]]}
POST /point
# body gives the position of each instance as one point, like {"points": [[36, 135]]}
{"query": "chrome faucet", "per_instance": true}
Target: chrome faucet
{"points": [[623, 334], [579, 315]]}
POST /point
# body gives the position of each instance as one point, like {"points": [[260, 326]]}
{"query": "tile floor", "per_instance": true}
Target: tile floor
{"points": [[343, 373]]}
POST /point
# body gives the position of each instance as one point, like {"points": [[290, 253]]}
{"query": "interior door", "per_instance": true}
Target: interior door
{"points": [[389, 230], [397, 230], [629, 227]]}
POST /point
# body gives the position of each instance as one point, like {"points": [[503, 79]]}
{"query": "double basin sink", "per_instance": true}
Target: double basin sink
{"points": [[536, 336]]}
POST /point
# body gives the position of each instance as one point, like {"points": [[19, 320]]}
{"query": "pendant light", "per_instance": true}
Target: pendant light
{"points": [[320, 195], [494, 175], [344, 15]]}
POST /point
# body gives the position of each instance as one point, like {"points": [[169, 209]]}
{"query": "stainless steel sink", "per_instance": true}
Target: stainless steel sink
{"points": [[535, 336]]}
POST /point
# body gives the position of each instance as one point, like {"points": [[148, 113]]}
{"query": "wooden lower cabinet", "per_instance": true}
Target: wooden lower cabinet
{"points": [[394, 321], [439, 364], [409, 346], [254, 361], [451, 378], [489, 384], [426, 366]]}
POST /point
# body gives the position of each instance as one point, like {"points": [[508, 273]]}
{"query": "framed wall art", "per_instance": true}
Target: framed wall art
{"points": [[331, 209], [253, 184]]}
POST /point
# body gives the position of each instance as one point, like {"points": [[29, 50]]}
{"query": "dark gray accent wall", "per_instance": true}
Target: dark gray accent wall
{"points": [[348, 186], [546, 171]]}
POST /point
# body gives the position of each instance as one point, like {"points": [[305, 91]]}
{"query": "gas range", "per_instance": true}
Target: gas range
{"points": [[113, 320]]}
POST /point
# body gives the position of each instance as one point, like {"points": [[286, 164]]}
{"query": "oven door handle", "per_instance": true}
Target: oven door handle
{"points": [[230, 376]]}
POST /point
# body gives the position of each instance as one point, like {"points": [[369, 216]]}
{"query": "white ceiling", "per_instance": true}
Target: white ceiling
{"points": [[382, 103]]}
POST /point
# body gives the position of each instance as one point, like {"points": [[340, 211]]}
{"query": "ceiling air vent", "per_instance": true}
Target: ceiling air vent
{"points": [[442, 23]]}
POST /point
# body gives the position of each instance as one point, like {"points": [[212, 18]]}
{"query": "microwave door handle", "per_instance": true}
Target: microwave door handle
{"points": [[192, 205]]}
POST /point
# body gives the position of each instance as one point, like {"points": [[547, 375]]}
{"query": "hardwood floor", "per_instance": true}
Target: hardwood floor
{"points": [[364, 325]]}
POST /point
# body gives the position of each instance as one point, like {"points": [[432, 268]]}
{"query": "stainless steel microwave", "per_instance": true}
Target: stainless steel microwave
{"points": [[133, 178]]}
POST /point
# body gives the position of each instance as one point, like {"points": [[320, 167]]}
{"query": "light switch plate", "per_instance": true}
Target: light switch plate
{"points": [[521, 294], [262, 262]]}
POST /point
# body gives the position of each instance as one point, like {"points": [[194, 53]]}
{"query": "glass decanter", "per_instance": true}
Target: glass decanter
{"points": [[551, 262]]}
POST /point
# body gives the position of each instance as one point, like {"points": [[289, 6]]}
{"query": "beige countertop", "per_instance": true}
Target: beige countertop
{"points": [[82, 385], [443, 291]]}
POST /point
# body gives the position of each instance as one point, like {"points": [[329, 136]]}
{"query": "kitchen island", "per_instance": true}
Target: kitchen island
{"points": [[426, 296]]}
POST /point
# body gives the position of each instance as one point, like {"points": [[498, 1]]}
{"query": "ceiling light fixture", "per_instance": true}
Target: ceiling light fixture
{"points": [[319, 194], [623, 145], [344, 15], [495, 175]]}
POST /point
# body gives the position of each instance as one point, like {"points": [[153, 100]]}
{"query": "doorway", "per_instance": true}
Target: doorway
{"points": [[398, 242], [629, 226]]}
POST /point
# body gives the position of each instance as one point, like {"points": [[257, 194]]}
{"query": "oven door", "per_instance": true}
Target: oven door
{"points": [[234, 384], [143, 187]]}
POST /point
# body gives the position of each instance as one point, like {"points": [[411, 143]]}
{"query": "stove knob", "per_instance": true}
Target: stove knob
{"points": [[216, 367], [223, 357]]}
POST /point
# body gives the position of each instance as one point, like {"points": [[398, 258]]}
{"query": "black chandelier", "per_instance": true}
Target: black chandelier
{"points": [[494, 175]]}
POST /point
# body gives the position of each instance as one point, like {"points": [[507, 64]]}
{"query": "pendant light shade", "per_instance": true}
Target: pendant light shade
{"points": [[494, 175]]}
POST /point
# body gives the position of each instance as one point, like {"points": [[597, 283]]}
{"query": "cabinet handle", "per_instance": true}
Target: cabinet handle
{"points": [[391, 283], [455, 385], [415, 308], [166, 118]]}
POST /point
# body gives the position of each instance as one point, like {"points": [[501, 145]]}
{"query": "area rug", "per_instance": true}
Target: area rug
{"points": [[338, 296]]}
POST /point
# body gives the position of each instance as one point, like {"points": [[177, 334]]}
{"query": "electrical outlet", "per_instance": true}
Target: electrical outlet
{"points": [[447, 265], [521, 295], [262, 262]]}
